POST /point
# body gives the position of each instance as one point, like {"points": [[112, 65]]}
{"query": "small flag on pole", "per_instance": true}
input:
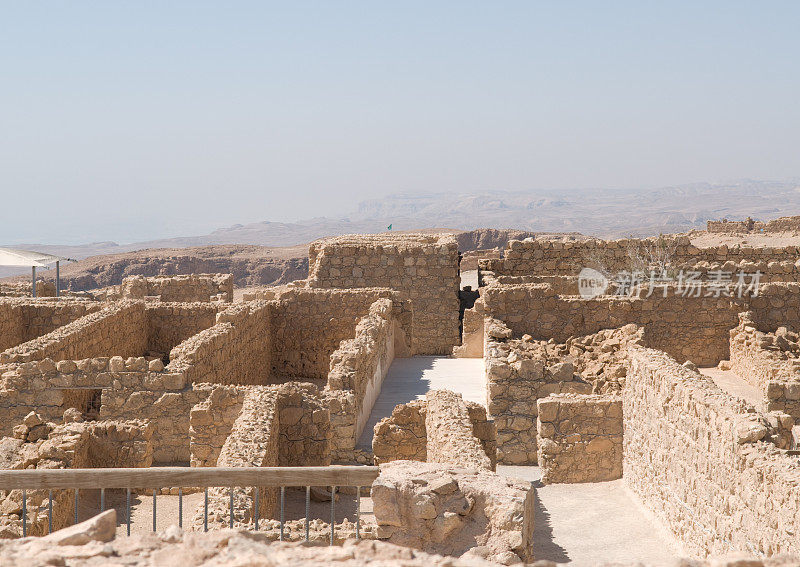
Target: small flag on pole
{"points": [[389, 227]]}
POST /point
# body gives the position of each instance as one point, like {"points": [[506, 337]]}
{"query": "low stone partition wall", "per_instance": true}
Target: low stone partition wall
{"points": [[22, 320], [402, 436], [440, 508], [169, 324], [309, 325], [580, 438], [451, 439], [359, 367], [211, 421], [424, 267], [443, 428], [122, 388], [236, 350], [706, 463], [119, 329], [768, 361], [41, 445], [544, 257], [180, 288], [514, 385], [285, 425]]}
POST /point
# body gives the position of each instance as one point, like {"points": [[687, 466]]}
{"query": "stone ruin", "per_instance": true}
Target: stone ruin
{"points": [[693, 401]]}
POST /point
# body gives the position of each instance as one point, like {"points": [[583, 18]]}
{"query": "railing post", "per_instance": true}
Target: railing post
{"points": [[25, 508], [50, 511], [231, 508], [256, 507], [102, 500], [358, 513], [76, 505], [154, 510], [205, 511], [128, 509], [333, 512], [283, 493], [180, 507], [308, 511]]}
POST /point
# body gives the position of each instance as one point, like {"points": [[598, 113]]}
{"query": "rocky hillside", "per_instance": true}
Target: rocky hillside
{"points": [[250, 265]]}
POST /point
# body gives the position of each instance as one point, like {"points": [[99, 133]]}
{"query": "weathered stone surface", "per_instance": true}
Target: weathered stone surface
{"points": [[445, 509]]}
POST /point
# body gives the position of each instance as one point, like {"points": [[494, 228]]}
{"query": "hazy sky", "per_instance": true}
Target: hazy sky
{"points": [[134, 120]]}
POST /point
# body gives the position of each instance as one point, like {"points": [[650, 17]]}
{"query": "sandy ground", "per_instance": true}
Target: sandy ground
{"points": [[411, 378], [733, 384], [591, 523], [708, 239]]}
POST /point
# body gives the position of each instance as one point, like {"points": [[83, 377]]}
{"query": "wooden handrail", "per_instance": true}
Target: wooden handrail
{"points": [[162, 477]]}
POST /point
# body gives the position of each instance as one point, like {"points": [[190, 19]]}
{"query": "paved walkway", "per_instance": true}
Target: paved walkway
{"points": [[587, 524], [411, 378]]}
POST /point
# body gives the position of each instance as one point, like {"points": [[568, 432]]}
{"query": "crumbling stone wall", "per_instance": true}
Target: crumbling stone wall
{"points": [[782, 224], [41, 445], [118, 329], [23, 320], [442, 428], [705, 462], [359, 366], [447, 509], [179, 288], [425, 268], [130, 388], [515, 382], [285, 425], [542, 257], [169, 324], [236, 350], [579, 438], [402, 436], [310, 324], [450, 435], [211, 421], [770, 362]]}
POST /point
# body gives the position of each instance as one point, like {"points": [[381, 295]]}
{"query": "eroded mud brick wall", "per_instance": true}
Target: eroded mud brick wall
{"points": [[580, 438], [705, 462], [423, 267]]}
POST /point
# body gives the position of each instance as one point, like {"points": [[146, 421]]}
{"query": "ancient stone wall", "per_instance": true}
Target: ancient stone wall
{"points": [[236, 350], [68, 445], [189, 288], [447, 509], [705, 463], [768, 361], [309, 325], [359, 367], [118, 329], [515, 382], [579, 438], [211, 421], [169, 324], [127, 388], [450, 436], [22, 320], [782, 224], [443, 428], [285, 425], [402, 436], [539, 257], [425, 268]]}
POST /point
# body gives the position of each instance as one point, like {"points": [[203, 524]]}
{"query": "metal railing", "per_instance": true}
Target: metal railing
{"points": [[159, 477]]}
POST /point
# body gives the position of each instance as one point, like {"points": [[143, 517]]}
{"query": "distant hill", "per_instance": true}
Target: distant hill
{"points": [[603, 213]]}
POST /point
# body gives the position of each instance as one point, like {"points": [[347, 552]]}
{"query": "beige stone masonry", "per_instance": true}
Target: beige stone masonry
{"points": [[580, 438]]}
